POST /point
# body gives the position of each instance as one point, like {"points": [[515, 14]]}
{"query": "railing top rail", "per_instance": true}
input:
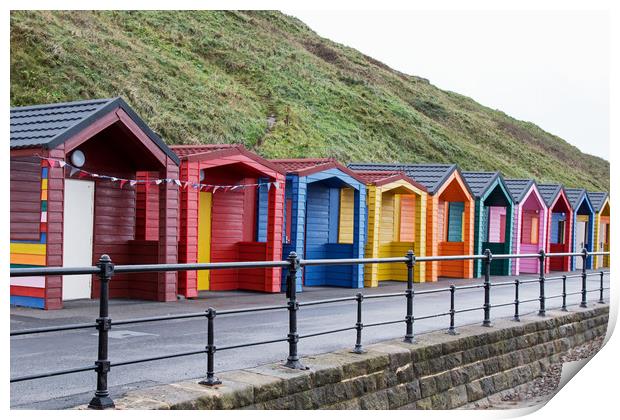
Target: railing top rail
{"points": [[52, 271], [142, 268], [350, 261]]}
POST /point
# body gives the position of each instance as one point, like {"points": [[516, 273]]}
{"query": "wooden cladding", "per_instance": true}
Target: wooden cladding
{"points": [[25, 198]]}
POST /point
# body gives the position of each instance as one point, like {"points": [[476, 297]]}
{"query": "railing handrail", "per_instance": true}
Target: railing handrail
{"points": [[105, 269], [140, 268]]}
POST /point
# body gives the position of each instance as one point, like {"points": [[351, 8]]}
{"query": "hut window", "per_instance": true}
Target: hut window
{"points": [[558, 226], [289, 220], [496, 224], [529, 231], [455, 221], [346, 215], [407, 218]]}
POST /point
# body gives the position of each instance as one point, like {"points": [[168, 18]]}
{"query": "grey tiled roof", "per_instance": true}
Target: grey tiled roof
{"points": [[50, 125], [432, 176], [597, 199], [574, 196], [518, 188], [549, 192], [479, 182]]}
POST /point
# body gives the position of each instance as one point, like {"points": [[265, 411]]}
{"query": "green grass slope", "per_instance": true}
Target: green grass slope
{"points": [[267, 80]]}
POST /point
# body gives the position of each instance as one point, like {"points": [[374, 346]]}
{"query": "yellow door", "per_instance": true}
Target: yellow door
{"points": [[204, 237]]}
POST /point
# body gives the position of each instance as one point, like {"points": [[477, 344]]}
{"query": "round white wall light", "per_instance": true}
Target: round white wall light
{"points": [[202, 175], [77, 158]]}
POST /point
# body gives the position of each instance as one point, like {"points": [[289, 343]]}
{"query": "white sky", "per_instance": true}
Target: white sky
{"points": [[550, 68]]}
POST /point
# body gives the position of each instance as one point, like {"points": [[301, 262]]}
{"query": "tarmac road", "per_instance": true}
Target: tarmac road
{"points": [[54, 351]]}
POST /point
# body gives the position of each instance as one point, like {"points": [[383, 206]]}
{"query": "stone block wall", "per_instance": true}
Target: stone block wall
{"points": [[439, 371]]}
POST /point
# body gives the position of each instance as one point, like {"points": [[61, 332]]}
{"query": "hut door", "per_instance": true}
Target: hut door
{"points": [[580, 242], [204, 237], [77, 249]]}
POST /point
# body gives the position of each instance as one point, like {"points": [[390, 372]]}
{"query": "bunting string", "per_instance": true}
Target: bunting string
{"points": [[183, 184]]}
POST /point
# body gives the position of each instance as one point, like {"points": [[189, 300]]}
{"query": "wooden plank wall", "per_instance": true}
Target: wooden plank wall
{"points": [[393, 232], [188, 229]]}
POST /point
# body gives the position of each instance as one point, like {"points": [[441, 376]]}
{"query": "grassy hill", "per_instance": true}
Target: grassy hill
{"points": [[267, 80]]}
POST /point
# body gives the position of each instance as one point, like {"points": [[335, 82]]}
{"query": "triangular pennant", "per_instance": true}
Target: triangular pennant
{"points": [[158, 181], [113, 179], [51, 162], [123, 182], [176, 181], [73, 171], [277, 185], [234, 187], [268, 186], [82, 174], [133, 182], [62, 163], [215, 188], [186, 184]]}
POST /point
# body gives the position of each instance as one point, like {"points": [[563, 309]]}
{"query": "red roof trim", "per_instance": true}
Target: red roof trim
{"points": [[228, 150]]}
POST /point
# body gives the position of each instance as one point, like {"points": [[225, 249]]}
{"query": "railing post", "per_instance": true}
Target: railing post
{"points": [[409, 296], [584, 279], [564, 293], [451, 329], [102, 399], [516, 318], [541, 282], [487, 288], [292, 361], [359, 325], [211, 379], [600, 299]]}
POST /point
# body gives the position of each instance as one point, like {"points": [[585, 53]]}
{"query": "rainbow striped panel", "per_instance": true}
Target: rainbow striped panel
{"points": [[30, 291]]}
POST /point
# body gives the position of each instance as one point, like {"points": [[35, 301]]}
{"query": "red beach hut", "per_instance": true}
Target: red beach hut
{"points": [[221, 219], [72, 201], [559, 225]]}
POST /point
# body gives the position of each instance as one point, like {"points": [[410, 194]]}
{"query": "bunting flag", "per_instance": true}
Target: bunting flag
{"points": [[184, 184]]}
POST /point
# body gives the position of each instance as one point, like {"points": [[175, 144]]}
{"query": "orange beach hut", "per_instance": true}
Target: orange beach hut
{"points": [[449, 214]]}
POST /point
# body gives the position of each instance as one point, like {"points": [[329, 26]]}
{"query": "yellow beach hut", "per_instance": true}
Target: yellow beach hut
{"points": [[396, 224], [600, 202]]}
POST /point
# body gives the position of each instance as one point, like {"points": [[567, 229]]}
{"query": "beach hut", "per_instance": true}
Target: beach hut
{"points": [[529, 221], [222, 219], [396, 224], [600, 204], [74, 196], [325, 217], [583, 225], [493, 222], [559, 225], [449, 214]]}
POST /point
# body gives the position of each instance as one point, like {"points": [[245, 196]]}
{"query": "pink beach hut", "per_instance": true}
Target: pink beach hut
{"points": [[530, 222]]}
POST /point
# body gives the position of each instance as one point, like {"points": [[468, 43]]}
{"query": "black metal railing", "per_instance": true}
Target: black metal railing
{"points": [[105, 270]]}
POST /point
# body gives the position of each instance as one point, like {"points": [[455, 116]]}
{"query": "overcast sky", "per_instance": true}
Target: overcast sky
{"points": [[550, 68]]}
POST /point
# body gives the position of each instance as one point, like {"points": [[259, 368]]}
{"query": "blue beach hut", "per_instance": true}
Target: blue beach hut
{"points": [[325, 217], [583, 225]]}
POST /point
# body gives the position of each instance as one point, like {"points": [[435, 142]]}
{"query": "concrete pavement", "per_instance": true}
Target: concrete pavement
{"points": [[53, 351]]}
